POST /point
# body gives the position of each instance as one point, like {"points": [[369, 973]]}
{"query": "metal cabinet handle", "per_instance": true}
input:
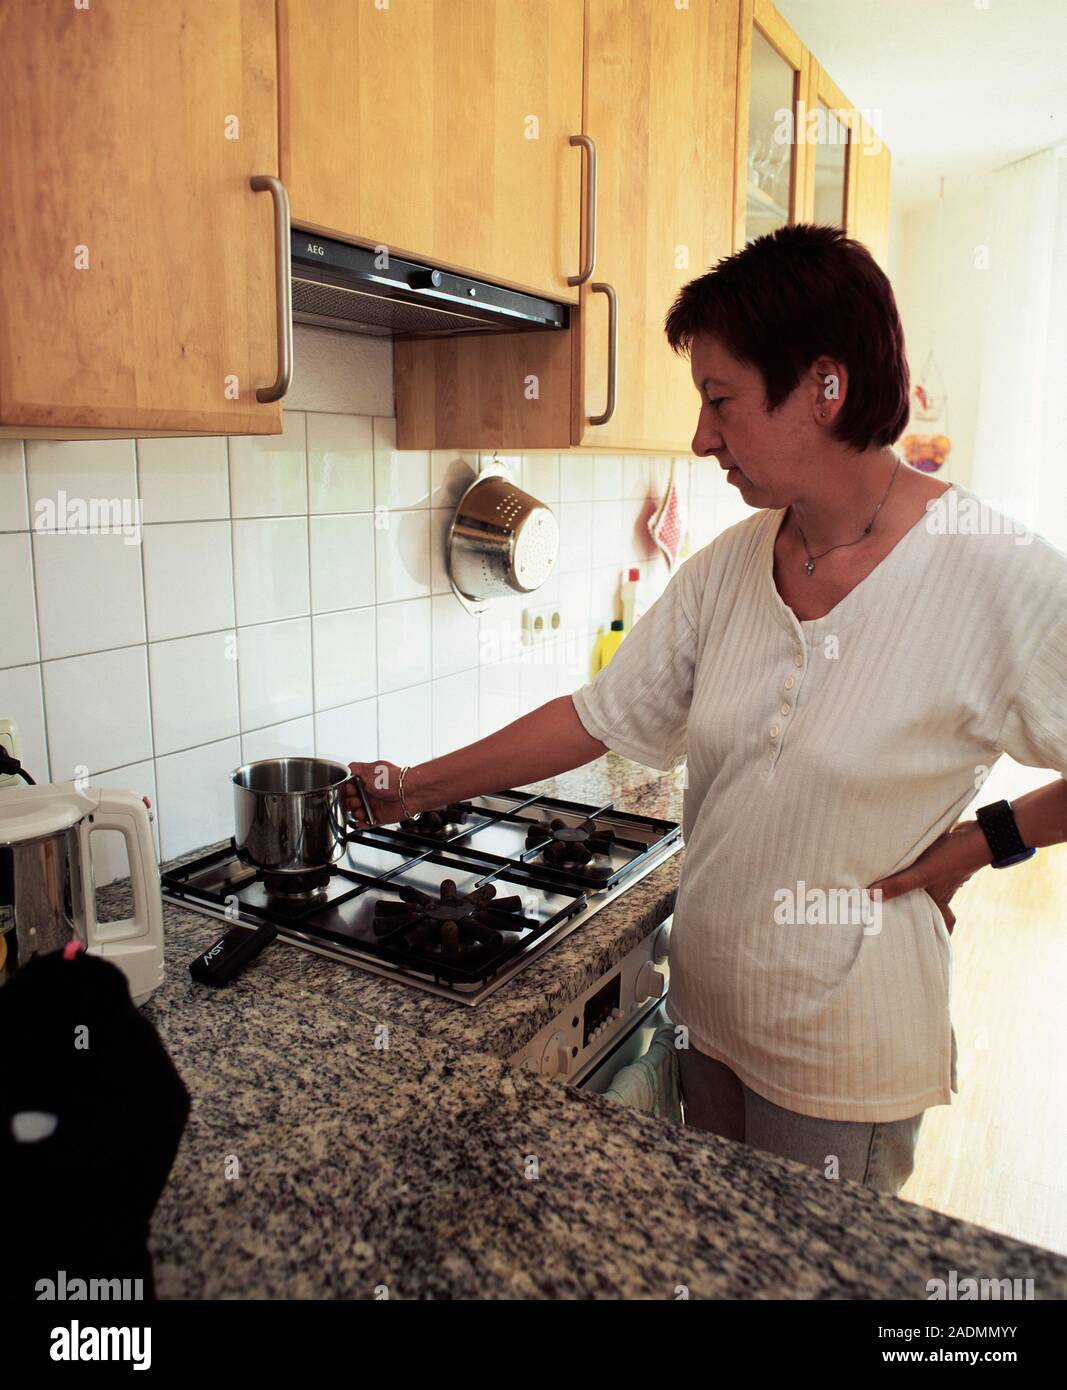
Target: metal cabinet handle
{"points": [[283, 287], [613, 351], [590, 211]]}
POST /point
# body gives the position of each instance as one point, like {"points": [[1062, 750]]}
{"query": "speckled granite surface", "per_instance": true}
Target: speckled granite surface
{"points": [[325, 1157], [504, 1022], [318, 1165]]}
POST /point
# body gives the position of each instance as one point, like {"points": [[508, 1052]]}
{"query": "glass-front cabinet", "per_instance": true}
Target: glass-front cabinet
{"points": [[773, 76]]}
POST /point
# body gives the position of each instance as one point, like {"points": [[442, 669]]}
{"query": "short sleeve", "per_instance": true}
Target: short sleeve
{"points": [[1034, 731], [638, 705]]}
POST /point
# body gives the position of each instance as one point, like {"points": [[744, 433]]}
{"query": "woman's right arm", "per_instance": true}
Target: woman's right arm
{"points": [[547, 741]]}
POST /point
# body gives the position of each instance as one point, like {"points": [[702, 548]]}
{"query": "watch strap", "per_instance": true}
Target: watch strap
{"points": [[1002, 834]]}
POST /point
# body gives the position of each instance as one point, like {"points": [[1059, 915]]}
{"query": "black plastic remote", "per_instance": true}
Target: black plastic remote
{"points": [[231, 953]]}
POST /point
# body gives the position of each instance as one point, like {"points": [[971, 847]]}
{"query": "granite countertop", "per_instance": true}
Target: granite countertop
{"points": [[340, 1145]]}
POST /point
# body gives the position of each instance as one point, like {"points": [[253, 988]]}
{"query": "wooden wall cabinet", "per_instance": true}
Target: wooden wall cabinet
{"points": [[848, 176], [138, 266], [440, 129], [659, 96]]}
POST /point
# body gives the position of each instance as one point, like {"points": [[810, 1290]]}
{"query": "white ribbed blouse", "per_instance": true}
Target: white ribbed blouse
{"points": [[824, 755]]}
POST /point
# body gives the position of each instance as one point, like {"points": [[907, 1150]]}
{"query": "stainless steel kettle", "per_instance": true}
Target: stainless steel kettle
{"points": [[47, 891]]}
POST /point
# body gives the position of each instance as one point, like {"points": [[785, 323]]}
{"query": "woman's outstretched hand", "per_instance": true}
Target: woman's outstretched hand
{"points": [[380, 782], [941, 870]]}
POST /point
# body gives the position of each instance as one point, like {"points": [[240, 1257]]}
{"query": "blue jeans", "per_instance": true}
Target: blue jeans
{"points": [[878, 1155]]}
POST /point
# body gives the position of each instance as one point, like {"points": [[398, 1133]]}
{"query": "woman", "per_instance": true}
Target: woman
{"points": [[840, 669]]}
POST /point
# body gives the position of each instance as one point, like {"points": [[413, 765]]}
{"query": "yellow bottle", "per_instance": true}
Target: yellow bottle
{"points": [[607, 644]]}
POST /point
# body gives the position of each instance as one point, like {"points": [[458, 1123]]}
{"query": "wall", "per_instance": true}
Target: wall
{"points": [[289, 595]]}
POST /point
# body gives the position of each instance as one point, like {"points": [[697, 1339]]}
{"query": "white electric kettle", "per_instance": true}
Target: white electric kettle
{"points": [[47, 891]]}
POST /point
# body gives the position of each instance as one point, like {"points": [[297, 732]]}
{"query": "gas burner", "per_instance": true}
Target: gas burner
{"points": [[454, 926], [296, 887], [434, 822], [570, 844]]}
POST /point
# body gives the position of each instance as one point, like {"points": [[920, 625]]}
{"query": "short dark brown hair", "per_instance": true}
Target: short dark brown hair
{"points": [[797, 294]]}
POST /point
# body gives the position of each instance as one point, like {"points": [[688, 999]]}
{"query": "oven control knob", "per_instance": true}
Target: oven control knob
{"points": [[661, 943], [555, 1056], [649, 984]]}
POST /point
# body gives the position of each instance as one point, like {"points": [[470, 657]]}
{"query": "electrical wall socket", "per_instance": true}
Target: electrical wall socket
{"points": [[538, 624], [12, 745]]}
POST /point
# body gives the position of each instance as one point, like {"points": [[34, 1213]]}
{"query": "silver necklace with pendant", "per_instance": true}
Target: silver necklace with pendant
{"points": [[809, 564]]}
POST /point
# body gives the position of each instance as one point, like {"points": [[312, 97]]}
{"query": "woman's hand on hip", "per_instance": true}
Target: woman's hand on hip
{"points": [[941, 870], [381, 782]]}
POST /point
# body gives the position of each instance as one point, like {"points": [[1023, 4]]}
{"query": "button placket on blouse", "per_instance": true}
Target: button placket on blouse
{"points": [[776, 731]]}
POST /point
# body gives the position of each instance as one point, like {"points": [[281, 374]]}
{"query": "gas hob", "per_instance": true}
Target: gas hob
{"points": [[455, 903]]}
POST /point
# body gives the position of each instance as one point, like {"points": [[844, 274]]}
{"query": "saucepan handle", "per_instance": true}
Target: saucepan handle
{"points": [[363, 797]]}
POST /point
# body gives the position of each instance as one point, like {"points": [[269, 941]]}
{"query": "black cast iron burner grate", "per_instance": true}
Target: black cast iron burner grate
{"points": [[517, 830], [355, 912]]}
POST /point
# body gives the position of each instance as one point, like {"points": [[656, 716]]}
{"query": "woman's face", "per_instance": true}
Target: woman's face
{"points": [[762, 452]]}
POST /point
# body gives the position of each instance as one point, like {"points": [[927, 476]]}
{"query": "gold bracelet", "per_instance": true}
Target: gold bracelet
{"points": [[403, 804]]}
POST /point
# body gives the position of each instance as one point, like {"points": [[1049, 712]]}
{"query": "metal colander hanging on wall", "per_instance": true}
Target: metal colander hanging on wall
{"points": [[501, 542]]}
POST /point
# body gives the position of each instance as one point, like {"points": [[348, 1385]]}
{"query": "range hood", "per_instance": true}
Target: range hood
{"points": [[336, 285]]}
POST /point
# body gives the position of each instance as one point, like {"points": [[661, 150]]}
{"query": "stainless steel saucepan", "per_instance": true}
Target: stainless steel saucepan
{"points": [[289, 813]]}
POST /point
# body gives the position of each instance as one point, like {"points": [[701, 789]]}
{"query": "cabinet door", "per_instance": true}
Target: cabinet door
{"points": [[829, 138], [665, 158], [772, 163], [440, 129], [138, 265], [868, 190]]}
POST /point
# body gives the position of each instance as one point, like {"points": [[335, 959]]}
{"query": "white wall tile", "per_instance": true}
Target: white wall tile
{"points": [[188, 579], [575, 536], [606, 529], [342, 562], [539, 675], [345, 657], [499, 695], [340, 463], [576, 478], [634, 476], [108, 847], [194, 691], [500, 630], [540, 477], [455, 712], [22, 700], [97, 711], [84, 470], [604, 602], [451, 473], [440, 521], [607, 477], [18, 644], [454, 636], [89, 593], [574, 602], [195, 790], [402, 556], [274, 672], [270, 569], [401, 477], [404, 643], [293, 739], [348, 733], [183, 479], [14, 515], [268, 472], [405, 732]]}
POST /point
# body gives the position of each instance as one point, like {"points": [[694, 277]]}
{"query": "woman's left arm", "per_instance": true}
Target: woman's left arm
{"points": [[949, 862]]}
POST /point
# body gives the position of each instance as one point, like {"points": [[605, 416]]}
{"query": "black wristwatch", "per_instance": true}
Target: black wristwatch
{"points": [[1002, 834]]}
